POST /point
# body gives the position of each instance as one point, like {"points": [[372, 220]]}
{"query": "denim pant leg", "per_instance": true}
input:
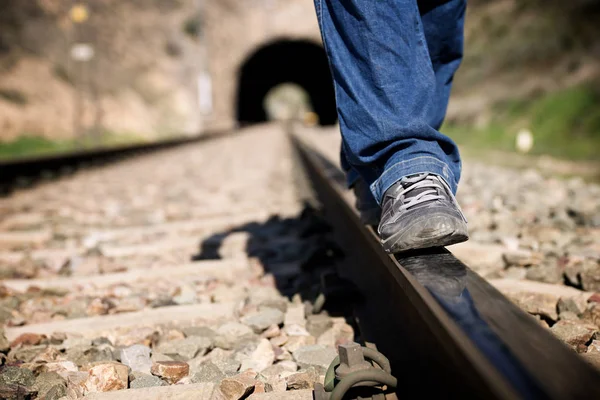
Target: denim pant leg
{"points": [[443, 25], [351, 174], [385, 91]]}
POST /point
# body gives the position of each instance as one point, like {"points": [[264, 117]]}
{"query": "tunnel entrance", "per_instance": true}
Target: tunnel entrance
{"points": [[285, 64]]}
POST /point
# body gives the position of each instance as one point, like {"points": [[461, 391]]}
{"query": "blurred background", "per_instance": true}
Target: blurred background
{"points": [[79, 74]]}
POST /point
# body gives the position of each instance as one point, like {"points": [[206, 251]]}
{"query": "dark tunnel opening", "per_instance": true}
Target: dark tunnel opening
{"points": [[297, 62]]}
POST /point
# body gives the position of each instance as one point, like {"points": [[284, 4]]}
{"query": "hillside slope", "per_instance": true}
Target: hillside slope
{"points": [[531, 65], [138, 81]]}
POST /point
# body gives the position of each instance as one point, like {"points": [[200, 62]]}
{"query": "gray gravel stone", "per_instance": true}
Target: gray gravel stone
{"points": [[229, 366], [288, 365], [293, 343], [223, 359], [244, 349], [568, 315], [202, 331], [536, 304], [592, 314], [295, 315], [84, 355], [268, 297], [548, 273], [263, 319], [273, 371], [50, 386], [230, 334], [208, 372], [317, 324], [145, 380], [26, 354], [316, 356], [185, 349], [17, 376], [590, 276], [339, 333], [74, 341], [137, 357], [262, 357], [569, 305], [302, 379], [574, 333]]}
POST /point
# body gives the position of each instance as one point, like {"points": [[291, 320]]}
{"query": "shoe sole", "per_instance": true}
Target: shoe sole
{"points": [[390, 245]]}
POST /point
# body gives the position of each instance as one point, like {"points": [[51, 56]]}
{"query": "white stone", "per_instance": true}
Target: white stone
{"points": [[137, 357]]}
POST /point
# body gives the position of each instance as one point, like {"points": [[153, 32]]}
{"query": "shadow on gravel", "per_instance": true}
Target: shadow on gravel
{"points": [[301, 256]]}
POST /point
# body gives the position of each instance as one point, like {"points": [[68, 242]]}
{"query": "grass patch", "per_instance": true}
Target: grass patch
{"points": [[31, 145], [564, 124]]}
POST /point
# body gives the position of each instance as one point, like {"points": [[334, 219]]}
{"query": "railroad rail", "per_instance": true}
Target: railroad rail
{"points": [[447, 332], [199, 272], [27, 170]]}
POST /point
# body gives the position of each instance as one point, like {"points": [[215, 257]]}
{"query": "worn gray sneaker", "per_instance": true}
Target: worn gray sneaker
{"points": [[369, 210], [420, 211]]}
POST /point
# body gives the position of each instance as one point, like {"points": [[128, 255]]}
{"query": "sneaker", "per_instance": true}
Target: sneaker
{"points": [[420, 211], [370, 212]]}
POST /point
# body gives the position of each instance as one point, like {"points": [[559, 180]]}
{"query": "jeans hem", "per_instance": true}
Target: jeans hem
{"points": [[416, 165]]}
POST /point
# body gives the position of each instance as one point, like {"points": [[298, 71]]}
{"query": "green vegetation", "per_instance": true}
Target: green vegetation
{"points": [[564, 124], [30, 145]]}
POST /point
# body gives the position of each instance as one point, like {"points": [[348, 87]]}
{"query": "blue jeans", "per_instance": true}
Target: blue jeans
{"points": [[392, 63]]}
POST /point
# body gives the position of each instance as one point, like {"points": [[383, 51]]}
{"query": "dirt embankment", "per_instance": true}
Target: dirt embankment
{"points": [[518, 50], [138, 82]]}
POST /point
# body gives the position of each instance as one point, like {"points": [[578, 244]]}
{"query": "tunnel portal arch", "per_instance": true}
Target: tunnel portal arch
{"points": [[299, 62]]}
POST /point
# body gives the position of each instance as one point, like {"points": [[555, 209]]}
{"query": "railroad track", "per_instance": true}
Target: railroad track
{"points": [[200, 272], [26, 171]]}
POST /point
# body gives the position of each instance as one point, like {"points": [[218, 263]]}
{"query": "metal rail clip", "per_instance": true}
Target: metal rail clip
{"points": [[352, 375]]}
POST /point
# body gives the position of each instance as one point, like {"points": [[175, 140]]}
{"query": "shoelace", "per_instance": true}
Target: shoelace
{"points": [[429, 185]]}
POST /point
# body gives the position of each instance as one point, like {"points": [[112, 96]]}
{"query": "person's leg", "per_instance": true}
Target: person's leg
{"points": [[443, 25], [368, 208], [386, 92]]}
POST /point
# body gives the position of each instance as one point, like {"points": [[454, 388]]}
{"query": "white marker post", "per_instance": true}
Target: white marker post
{"points": [[82, 52]]}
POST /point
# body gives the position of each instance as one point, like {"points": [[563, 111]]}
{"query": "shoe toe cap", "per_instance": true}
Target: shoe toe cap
{"points": [[436, 225], [434, 228]]}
